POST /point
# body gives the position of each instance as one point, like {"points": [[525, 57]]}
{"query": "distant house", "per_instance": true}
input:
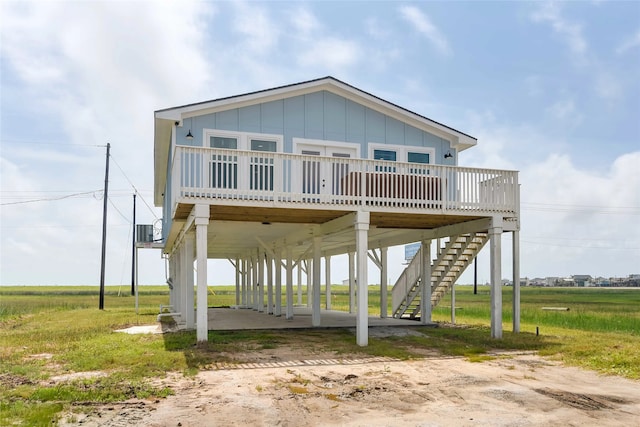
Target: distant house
{"points": [[286, 176], [582, 280]]}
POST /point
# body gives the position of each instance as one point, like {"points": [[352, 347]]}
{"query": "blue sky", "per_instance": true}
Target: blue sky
{"points": [[551, 89]]}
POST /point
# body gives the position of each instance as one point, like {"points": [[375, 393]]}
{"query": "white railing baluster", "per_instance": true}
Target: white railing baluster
{"points": [[291, 178]]}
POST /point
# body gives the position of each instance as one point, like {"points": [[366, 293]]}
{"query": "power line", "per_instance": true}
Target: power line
{"points": [[72, 144], [579, 247], [134, 187], [51, 198], [602, 210], [118, 210]]}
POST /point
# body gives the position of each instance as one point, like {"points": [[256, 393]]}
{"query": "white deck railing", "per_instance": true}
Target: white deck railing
{"points": [[265, 178]]}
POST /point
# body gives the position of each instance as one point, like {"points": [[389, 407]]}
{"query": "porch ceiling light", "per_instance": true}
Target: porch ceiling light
{"points": [[189, 136], [446, 156]]}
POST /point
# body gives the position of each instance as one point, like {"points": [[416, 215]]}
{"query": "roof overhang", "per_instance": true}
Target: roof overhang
{"points": [[166, 119]]}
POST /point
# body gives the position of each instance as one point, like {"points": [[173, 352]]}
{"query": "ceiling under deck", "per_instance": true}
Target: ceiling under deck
{"points": [[236, 231]]}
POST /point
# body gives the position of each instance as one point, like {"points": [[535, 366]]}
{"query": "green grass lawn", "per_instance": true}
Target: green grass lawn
{"points": [[46, 331]]}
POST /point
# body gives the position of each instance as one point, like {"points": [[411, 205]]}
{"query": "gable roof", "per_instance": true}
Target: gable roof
{"points": [[165, 118]]}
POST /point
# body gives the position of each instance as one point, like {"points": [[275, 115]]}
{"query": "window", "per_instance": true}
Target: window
{"points": [[261, 168], [260, 145], [223, 142], [418, 157], [229, 171], [402, 153], [384, 155], [422, 158]]}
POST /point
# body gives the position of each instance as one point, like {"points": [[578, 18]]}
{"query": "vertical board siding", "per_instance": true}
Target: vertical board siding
{"points": [[227, 120], [272, 114], [413, 136], [335, 117], [321, 115], [356, 129], [394, 131], [249, 119], [314, 115], [293, 121], [374, 127]]}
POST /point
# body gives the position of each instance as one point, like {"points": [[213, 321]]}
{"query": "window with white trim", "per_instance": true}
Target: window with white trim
{"points": [[224, 166], [402, 153]]}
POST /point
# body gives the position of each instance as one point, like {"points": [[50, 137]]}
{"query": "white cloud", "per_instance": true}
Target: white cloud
{"points": [[571, 32], [565, 111], [331, 53], [304, 21], [260, 33], [377, 29], [608, 87], [629, 44], [97, 79], [421, 23]]}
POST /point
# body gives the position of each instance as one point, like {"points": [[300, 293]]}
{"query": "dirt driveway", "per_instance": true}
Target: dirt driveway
{"points": [[285, 388]]}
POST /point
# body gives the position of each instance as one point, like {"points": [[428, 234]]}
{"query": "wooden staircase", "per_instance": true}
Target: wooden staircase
{"points": [[451, 261]]}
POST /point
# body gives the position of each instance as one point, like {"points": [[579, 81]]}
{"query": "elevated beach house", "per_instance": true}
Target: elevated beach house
{"points": [[278, 179]]}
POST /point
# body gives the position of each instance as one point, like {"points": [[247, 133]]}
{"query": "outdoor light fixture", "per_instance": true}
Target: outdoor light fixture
{"points": [[189, 135], [448, 155]]}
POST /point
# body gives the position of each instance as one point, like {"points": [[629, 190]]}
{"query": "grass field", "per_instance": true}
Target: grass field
{"points": [[48, 331]]}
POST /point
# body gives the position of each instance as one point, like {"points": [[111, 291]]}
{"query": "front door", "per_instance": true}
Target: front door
{"points": [[324, 177]]}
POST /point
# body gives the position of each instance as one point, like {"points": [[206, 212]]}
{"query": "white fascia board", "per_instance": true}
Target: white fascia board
{"points": [[162, 140]]}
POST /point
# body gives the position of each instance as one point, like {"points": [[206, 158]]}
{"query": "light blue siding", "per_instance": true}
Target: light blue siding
{"points": [[293, 121], [320, 115], [227, 120], [355, 114], [272, 114], [412, 136], [335, 117], [314, 115], [250, 120], [374, 127], [394, 131]]}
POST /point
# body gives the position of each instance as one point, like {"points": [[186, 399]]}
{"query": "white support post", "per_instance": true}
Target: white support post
{"points": [[425, 283], [383, 283], [495, 247], [453, 303], [289, 312], [245, 269], [278, 266], [260, 281], [316, 300], [300, 281], [309, 268], [189, 247], [254, 281], [362, 247], [178, 283], [249, 277], [352, 282], [238, 267], [269, 284], [201, 223], [516, 282], [172, 278], [327, 278]]}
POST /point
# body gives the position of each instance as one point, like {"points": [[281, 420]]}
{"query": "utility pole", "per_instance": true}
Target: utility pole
{"points": [[104, 229], [475, 275], [133, 250]]}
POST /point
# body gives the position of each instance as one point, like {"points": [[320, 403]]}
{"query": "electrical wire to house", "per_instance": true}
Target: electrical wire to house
{"points": [[134, 187], [51, 199]]}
